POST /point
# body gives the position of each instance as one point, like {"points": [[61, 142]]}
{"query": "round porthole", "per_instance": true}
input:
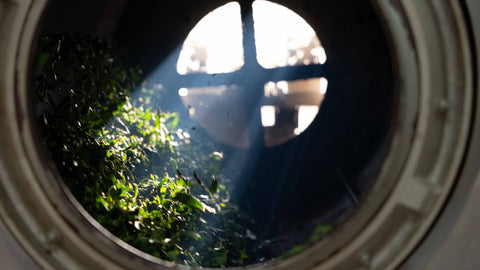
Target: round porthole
{"points": [[203, 134], [179, 165], [219, 45]]}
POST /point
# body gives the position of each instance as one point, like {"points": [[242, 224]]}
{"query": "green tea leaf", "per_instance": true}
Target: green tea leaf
{"points": [[193, 235], [189, 200], [214, 185], [197, 178], [294, 251], [220, 258], [320, 232]]}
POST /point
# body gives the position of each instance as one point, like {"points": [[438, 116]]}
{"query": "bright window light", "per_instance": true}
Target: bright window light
{"points": [[283, 85], [215, 44], [306, 115], [270, 89], [283, 38], [183, 92], [268, 116], [323, 85]]}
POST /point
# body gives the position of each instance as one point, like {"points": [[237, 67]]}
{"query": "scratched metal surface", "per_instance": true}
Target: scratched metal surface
{"points": [[12, 256]]}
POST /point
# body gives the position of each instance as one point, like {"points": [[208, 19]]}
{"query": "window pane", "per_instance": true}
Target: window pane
{"points": [[215, 43], [283, 38]]}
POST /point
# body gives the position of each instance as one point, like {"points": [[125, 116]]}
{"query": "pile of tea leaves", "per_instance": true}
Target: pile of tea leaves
{"points": [[128, 163]]}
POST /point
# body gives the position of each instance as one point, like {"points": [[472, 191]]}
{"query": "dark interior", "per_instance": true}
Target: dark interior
{"points": [[316, 178]]}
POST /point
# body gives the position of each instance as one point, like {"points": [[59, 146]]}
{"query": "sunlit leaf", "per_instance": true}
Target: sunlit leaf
{"points": [[189, 200], [320, 232], [181, 183], [193, 235]]}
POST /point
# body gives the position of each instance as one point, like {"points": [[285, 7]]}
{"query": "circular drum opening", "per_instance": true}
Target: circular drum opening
{"points": [[130, 140], [204, 134]]}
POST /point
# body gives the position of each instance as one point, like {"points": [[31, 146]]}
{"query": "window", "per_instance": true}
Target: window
{"points": [[281, 39]]}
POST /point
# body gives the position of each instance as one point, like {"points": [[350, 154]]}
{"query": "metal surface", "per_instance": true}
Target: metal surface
{"points": [[12, 256], [435, 79], [454, 242]]}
